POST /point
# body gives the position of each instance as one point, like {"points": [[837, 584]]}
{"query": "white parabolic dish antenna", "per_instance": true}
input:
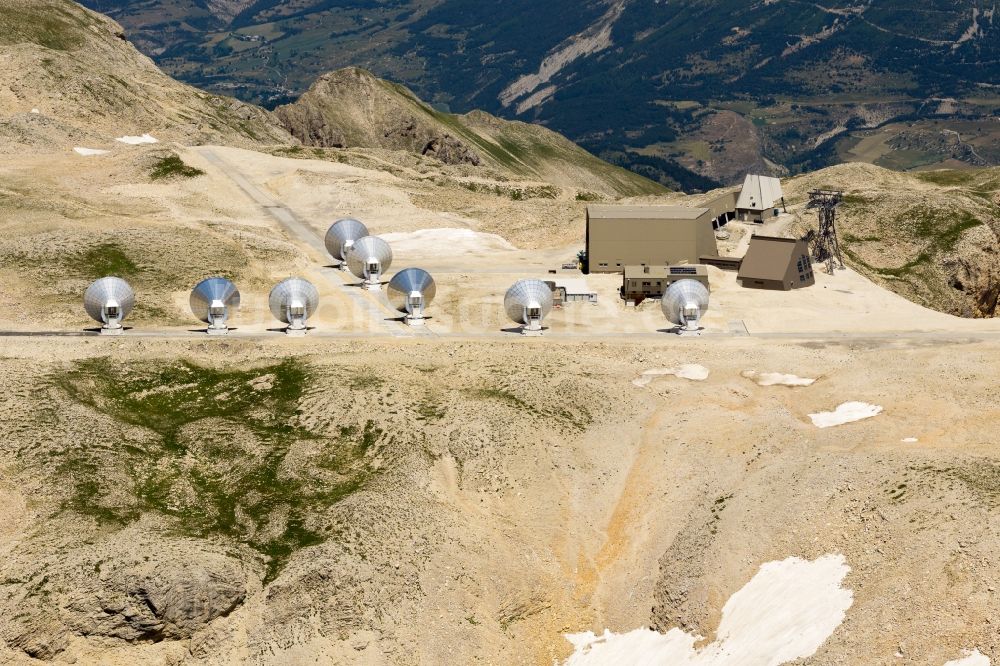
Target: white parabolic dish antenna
{"points": [[108, 301], [368, 259], [212, 301], [341, 236], [528, 302], [684, 304], [293, 301], [411, 290]]}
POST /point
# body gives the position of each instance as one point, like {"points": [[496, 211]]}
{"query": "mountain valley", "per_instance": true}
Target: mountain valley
{"points": [[693, 93]]}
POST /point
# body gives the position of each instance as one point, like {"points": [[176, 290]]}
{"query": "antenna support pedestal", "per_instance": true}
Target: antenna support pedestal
{"points": [[117, 330], [532, 329], [415, 321], [295, 332], [218, 331]]}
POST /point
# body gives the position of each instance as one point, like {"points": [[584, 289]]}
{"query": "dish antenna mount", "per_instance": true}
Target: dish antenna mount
{"points": [[212, 301], [528, 302], [368, 259], [412, 290], [292, 302], [340, 238], [684, 304], [108, 301]]}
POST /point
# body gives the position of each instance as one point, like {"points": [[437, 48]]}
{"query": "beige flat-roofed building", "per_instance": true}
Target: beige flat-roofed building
{"points": [[641, 282], [620, 236]]}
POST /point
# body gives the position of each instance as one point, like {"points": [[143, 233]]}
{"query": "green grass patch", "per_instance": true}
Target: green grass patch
{"points": [[940, 230], [505, 397], [948, 177], [103, 260], [215, 459], [513, 192], [52, 27], [172, 166], [578, 418], [856, 200], [943, 229], [430, 410]]}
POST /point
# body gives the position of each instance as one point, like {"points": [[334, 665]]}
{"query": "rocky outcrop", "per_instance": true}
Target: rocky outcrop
{"points": [[351, 108], [137, 586], [163, 599]]}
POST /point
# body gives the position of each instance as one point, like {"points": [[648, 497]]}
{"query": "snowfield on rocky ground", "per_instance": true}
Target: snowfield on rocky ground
{"points": [[137, 140], [89, 152], [848, 412], [690, 371], [777, 379], [786, 612]]}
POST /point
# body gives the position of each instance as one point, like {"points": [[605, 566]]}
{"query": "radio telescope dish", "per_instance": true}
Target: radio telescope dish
{"points": [[293, 301], [108, 301], [411, 290], [212, 301], [368, 259], [341, 236], [684, 304], [528, 302]]}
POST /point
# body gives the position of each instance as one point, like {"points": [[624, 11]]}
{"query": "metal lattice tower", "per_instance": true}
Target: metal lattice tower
{"points": [[826, 245]]}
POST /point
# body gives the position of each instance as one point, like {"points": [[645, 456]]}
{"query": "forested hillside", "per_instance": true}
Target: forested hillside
{"points": [[671, 89]]}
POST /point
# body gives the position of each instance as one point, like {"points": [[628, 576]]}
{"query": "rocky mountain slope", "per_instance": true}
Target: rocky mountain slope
{"points": [[932, 237], [71, 79], [350, 108], [69, 76], [671, 88]]}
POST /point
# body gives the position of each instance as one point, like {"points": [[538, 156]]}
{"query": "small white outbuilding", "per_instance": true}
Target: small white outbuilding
{"points": [[760, 198]]}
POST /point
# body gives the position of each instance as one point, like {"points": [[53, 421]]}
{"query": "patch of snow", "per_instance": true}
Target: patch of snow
{"points": [[778, 379], [87, 152], [452, 240], [35, 111], [971, 658], [691, 371], [786, 612], [848, 412], [137, 140]]}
